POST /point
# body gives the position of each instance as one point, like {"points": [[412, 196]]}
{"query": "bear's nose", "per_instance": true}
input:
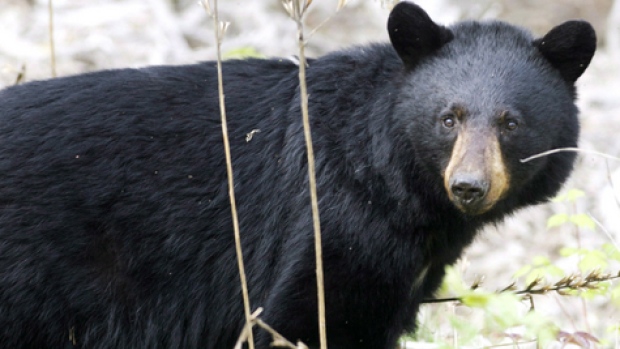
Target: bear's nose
{"points": [[469, 191]]}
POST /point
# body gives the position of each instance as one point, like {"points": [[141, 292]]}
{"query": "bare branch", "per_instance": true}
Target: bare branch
{"points": [[50, 11], [296, 9], [220, 29], [21, 75], [607, 233], [577, 150], [277, 340], [570, 282]]}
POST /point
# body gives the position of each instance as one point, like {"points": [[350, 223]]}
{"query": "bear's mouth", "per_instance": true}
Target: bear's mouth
{"points": [[472, 206]]}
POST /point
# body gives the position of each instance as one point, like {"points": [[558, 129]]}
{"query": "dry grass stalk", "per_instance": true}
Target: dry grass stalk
{"points": [[577, 150], [21, 75], [220, 29], [50, 11], [296, 9], [277, 339], [571, 282]]}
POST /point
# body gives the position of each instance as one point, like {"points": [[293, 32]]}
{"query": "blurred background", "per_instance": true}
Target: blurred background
{"points": [[104, 34]]}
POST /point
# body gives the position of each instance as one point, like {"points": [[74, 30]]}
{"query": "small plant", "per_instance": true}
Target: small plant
{"points": [[469, 316]]}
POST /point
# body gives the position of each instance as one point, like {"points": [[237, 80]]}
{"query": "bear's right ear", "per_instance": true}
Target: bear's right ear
{"points": [[414, 34]]}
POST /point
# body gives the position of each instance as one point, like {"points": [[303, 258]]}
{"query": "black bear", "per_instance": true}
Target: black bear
{"points": [[115, 225]]}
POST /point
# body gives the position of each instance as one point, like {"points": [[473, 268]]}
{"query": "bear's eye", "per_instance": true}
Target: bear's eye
{"points": [[448, 121], [511, 125]]}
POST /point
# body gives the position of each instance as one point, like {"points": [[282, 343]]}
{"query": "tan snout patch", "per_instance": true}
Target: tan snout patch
{"points": [[478, 153]]}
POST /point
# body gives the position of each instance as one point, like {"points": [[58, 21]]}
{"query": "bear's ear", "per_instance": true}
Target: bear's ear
{"points": [[569, 47], [414, 34]]}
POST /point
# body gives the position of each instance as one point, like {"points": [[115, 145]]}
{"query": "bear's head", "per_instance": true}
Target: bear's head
{"points": [[478, 97]]}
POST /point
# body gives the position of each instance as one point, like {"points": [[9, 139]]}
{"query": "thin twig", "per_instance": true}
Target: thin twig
{"points": [[50, 11], [584, 308], [611, 183], [315, 29], [571, 282], [341, 5], [577, 150], [563, 309], [442, 300], [607, 233], [277, 339], [297, 11], [21, 75], [220, 29]]}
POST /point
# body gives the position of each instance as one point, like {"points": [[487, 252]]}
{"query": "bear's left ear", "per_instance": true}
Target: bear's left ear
{"points": [[569, 47], [414, 34]]}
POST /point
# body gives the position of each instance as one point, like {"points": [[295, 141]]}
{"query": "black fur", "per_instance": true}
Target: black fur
{"points": [[413, 33], [115, 224], [569, 47]]}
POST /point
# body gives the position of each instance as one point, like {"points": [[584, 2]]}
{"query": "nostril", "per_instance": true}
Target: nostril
{"points": [[468, 191]]}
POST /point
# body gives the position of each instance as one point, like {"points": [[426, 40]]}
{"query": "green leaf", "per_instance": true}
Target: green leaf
{"points": [[541, 267], [583, 221], [556, 220], [476, 299], [242, 52], [615, 328], [503, 311], [570, 196], [540, 327], [453, 284], [602, 289], [611, 251], [522, 271], [568, 251], [535, 274], [465, 328], [559, 198], [574, 194], [592, 260], [540, 261], [554, 270]]}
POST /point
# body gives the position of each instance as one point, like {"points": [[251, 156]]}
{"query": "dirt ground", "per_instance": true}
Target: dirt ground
{"points": [[103, 34]]}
